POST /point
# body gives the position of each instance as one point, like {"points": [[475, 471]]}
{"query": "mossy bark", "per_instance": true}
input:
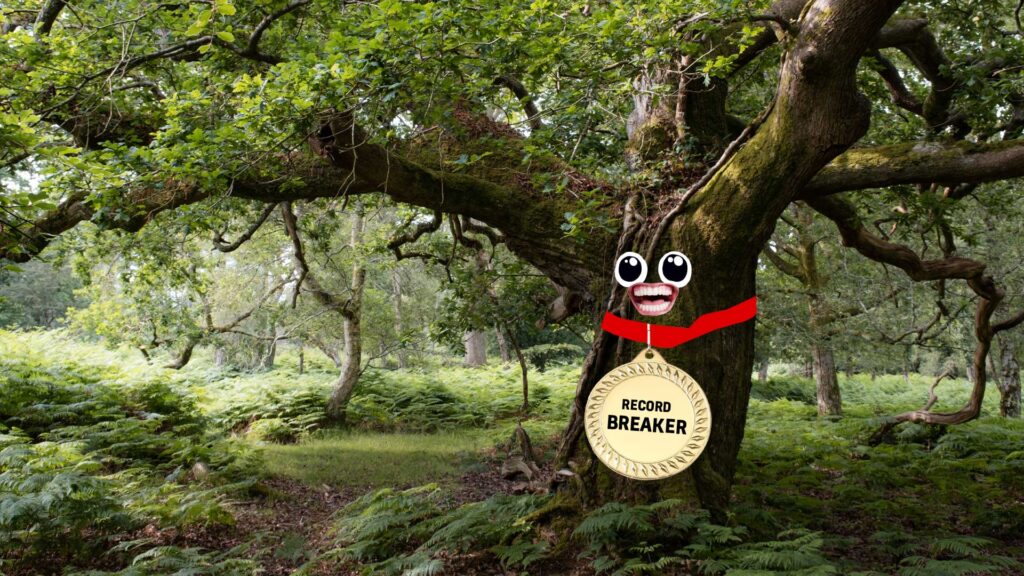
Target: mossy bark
{"points": [[817, 114]]}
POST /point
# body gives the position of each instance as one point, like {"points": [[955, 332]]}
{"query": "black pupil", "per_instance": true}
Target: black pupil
{"points": [[674, 269], [629, 269]]}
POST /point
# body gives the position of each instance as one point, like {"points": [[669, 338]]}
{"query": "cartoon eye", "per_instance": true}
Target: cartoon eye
{"points": [[675, 269], [630, 269]]}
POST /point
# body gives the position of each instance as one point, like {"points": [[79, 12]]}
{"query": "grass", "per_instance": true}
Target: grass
{"points": [[373, 460]]}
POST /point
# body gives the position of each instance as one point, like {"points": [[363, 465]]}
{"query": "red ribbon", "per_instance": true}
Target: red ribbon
{"points": [[671, 336]]}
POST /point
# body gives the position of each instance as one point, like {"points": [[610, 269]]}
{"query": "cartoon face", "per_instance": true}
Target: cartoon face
{"points": [[653, 298]]}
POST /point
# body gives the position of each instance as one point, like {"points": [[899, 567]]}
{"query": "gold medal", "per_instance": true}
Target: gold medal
{"points": [[647, 419]]}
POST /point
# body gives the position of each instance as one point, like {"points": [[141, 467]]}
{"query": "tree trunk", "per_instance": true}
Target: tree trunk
{"points": [[829, 399], [1009, 384], [523, 369], [353, 352], [400, 353], [476, 348], [762, 371], [266, 360], [302, 358], [502, 345], [721, 362], [220, 357]]}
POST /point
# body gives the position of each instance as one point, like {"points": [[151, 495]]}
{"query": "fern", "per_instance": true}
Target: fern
{"points": [[957, 556]]}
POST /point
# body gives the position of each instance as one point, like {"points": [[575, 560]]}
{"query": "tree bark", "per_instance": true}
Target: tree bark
{"points": [[829, 399], [353, 351], [476, 348], [268, 356], [502, 345], [762, 371], [1009, 383], [818, 113]]}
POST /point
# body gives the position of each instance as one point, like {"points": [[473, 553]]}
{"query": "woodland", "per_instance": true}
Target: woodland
{"points": [[316, 286]]}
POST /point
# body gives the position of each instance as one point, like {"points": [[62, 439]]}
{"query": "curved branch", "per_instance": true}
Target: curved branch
{"points": [[252, 48], [48, 15], [898, 91], [856, 235], [520, 91], [410, 236], [222, 246]]}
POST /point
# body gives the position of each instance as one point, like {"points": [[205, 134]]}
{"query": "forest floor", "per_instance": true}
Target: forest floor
{"points": [[109, 467]]}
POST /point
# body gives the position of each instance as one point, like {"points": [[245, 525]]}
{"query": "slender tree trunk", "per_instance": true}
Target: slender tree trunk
{"points": [[302, 358], [476, 348], [266, 361], [1009, 384], [523, 368], [400, 353], [830, 401], [353, 352], [220, 356], [762, 371]]}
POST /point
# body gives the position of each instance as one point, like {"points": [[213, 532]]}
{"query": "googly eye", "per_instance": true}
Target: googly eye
{"points": [[630, 269], [674, 268]]}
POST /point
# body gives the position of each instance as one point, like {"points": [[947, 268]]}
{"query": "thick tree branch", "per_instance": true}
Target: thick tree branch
{"points": [[990, 295], [918, 163], [913, 38], [48, 15]]}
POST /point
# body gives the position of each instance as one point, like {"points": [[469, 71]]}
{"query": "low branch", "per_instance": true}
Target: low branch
{"points": [[1009, 323], [843, 214]]}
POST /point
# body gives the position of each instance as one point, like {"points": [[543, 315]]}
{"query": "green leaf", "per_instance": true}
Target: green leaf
{"points": [[226, 36]]}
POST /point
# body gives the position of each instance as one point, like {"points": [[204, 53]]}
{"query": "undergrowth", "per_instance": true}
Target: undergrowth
{"points": [[89, 455]]}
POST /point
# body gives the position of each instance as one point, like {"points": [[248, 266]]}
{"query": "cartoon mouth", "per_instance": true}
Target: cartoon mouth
{"points": [[653, 299]]}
